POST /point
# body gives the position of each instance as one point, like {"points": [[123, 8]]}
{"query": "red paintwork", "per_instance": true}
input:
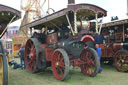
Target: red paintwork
{"points": [[121, 61], [76, 62], [48, 53], [109, 49], [51, 38], [117, 46], [44, 45], [75, 37], [87, 38], [107, 52], [30, 56], [88, 68], [99, 45], [58, 65]]}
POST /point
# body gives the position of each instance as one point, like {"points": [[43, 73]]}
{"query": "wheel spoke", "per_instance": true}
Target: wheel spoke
{"points": [[58, 57], [31, 52], [60, 70], [86, 68], [32, 49], [29, 62], [119, 57], [120, 61], [89, 67], [62, 63], [92, 67], [28, 48], [30, 43], [33, 65]]}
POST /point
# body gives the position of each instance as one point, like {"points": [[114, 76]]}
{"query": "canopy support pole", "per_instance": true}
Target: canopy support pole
{"points": [[96, 16], [70, 25], [101, 25], [7, 25], [75, 25]]}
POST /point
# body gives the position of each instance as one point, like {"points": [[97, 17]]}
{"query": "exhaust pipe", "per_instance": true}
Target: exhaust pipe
{"points": [[71, 1]]}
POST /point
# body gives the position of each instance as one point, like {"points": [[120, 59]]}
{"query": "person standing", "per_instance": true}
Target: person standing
{"points": [[22, 60], [99, 39]]}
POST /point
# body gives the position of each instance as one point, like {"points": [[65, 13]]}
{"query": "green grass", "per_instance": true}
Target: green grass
{"points": [[109, 76]]}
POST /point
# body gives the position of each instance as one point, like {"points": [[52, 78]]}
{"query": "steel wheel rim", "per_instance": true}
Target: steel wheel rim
{"points": [[30, 56], [58, 65], [89, 66], [1, 70], [121, 61]]}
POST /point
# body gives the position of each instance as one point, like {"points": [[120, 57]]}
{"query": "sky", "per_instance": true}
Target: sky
{"points": [[113, 7]]}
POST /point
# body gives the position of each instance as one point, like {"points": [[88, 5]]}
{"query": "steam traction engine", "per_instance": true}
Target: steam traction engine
{"points": [[7, 16], [60, 40], [115, 48]]}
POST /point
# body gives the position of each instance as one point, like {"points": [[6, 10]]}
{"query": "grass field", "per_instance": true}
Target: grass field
{"points": [[109, 76]]}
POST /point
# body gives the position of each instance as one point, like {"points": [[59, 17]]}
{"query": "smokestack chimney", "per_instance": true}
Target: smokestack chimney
{"points": [[71, 1]]}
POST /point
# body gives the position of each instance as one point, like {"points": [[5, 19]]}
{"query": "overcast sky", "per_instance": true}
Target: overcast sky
{"points": [[113, 7]]}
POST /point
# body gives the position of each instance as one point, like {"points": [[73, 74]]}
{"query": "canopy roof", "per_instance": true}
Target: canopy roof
{"points": [[6, 15], [58, 18], [115, 23]]}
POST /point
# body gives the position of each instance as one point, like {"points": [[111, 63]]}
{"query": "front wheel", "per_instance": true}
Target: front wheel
{"points": [[60, 64], [121, 60], [3, 70], [91, 64]]}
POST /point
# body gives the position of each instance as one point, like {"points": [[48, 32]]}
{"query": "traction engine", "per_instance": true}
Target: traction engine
{"points": [[7, 16], [61, 40]]}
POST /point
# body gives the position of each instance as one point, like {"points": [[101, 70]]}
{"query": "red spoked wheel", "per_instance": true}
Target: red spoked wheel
{"points": [[91, 63], [121, 60], [60, 64], [31, 55]]}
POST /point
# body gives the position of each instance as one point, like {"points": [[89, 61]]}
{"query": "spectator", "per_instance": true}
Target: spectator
{"points": [[6, 53], [21, 54], [99, 39], [14, 64]]}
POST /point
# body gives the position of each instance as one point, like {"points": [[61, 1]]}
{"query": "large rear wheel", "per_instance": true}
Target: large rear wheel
{"points": [[121, 60], [31, 55], [91, 64], [60, 64], [3, 70]]}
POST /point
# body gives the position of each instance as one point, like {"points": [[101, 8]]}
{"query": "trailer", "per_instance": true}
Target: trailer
{"points": [[61, 40], [7, 16]]}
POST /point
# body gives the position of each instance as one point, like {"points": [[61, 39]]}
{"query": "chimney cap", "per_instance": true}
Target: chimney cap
{"points": [[71, 1]]}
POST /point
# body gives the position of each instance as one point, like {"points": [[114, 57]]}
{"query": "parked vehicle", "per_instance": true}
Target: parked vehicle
{"points": [[64, 41], [115, 48], [7, 16]]}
